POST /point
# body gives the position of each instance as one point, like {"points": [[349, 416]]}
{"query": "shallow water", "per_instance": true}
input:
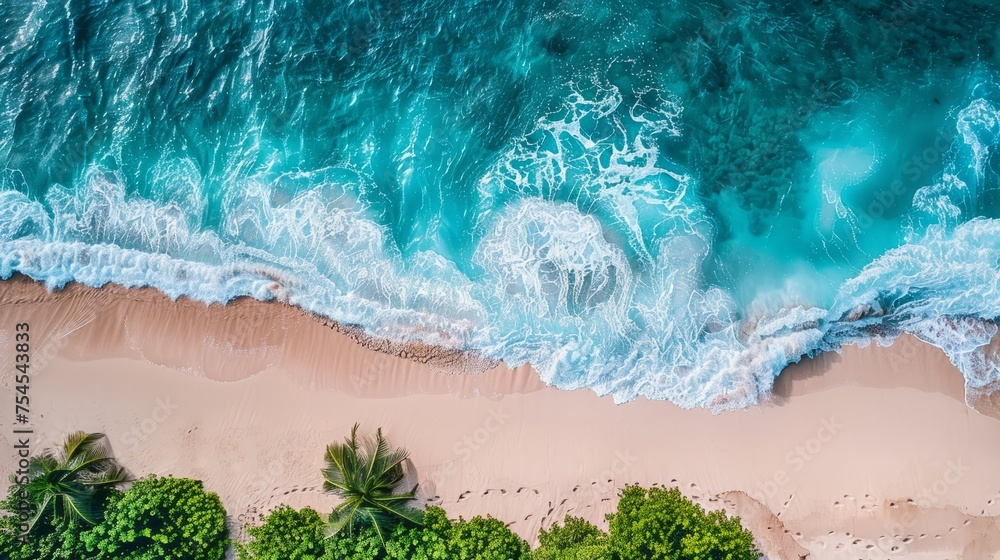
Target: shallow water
{"points": [[672, 199]]}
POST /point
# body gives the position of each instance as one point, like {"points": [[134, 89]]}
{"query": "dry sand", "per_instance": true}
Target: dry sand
{"points": [[868, 454]]}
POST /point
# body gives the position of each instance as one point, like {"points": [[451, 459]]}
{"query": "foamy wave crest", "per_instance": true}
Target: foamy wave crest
{"points": [[589, 259]]}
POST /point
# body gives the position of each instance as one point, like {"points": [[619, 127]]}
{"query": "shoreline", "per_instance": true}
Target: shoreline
{"points": [[832, 458]]}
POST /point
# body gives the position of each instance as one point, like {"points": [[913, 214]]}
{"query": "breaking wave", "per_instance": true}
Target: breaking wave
{"points": [[626, 212]]}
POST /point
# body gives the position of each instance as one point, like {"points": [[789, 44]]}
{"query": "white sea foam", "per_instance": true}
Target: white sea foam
{"points": [[554, 285]]}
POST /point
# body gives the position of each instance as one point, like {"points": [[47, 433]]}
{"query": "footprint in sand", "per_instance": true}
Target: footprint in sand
{"points": [[521, 489], [464, 494], [577, 487], [967, 521], [564, 501]]}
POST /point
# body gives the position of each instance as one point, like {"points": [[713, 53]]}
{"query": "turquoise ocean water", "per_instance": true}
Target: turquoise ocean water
{"points": [[670, 199]]}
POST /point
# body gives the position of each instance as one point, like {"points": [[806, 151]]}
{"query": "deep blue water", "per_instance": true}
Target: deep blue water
{"points": [[672, 199]]}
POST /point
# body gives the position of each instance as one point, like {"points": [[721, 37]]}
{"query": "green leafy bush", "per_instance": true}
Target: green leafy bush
{"points": [[576, 539], [485, 539], [662, 524], [429, 541], [290, 535], [161, 519], [285, 534]]}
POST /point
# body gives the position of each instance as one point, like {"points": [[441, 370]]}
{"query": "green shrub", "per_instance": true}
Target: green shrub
{"points": [[285, 534], [429, 541], [290, 535], [576, 539], [485, 539], [161, 519], [662, 524]]}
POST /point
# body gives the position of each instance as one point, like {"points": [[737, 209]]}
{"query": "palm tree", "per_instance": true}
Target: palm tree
{"points": [[74, 482], [365, 473]]}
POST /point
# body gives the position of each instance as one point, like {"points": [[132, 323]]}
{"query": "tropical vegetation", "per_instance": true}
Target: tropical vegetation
{"points": [[366, 474], [289, 534], [162, 519], [155, 519], [74, 482], [175, 518]]}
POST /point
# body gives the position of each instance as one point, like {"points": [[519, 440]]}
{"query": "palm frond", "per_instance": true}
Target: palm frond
{"points": [[78, 503], [366, 471], [39, 513], [73, 483], [342, 516], [375, 524], [78, 442], [113, 476]]}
